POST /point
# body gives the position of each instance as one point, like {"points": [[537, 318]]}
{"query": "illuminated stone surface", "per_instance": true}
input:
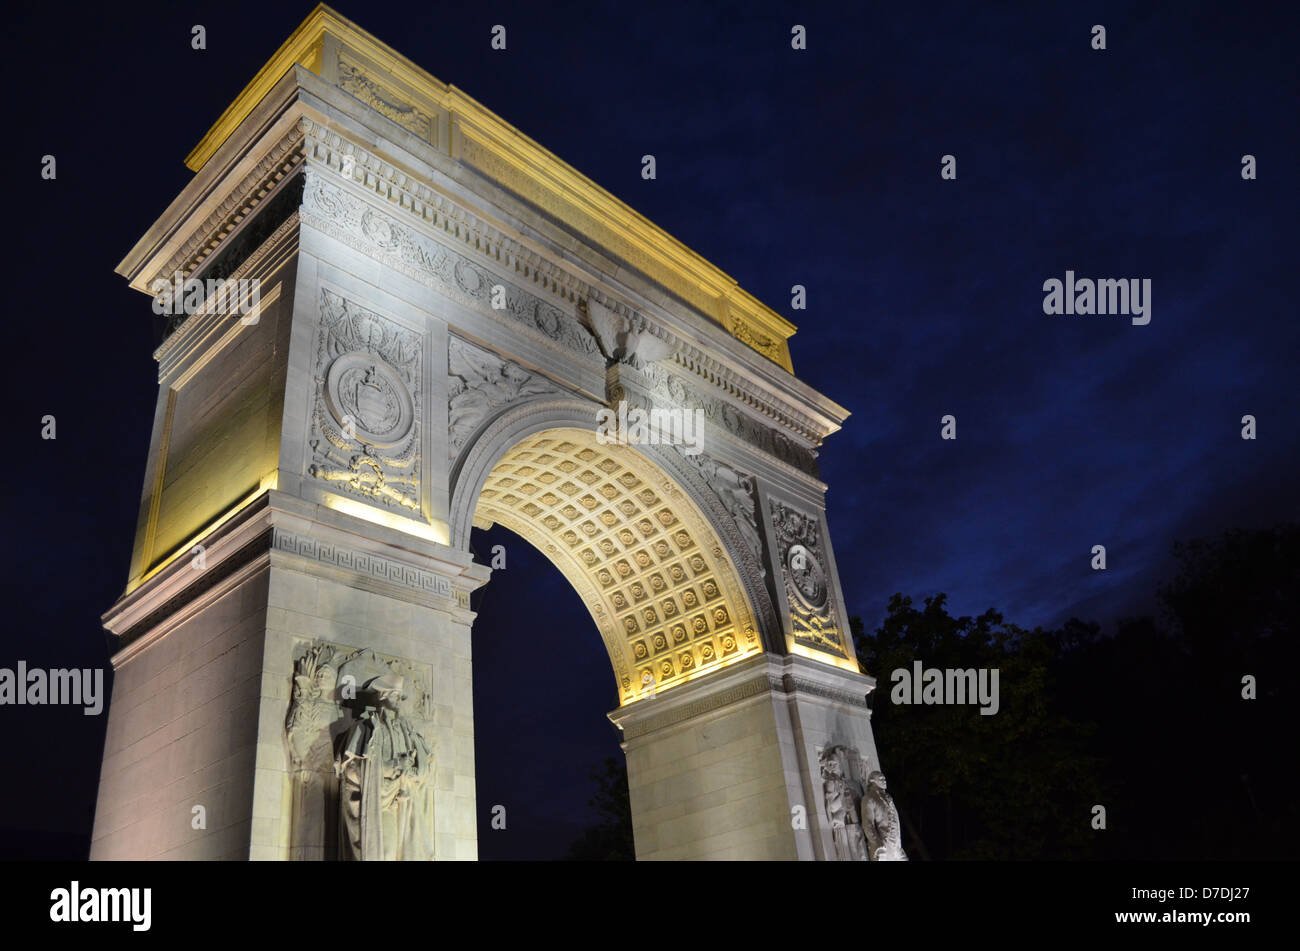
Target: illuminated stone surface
{"points": [[431, 353], [666, 600]]}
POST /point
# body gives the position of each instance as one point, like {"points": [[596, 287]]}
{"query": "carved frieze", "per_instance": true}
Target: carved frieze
{"points": [[419, 257], [807, 581], [670, 389], [366, 416], [486, 157], [364, 563], [696, 357]]}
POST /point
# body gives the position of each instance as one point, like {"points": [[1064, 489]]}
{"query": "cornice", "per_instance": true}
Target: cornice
{"points": [[212, 206], [275, 528], [698, 347], [446, 219], [778, 677], [187, 339], [276, 165], [303, 47], [501, 153]]}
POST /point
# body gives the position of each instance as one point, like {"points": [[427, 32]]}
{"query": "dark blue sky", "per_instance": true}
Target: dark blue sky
{"points": [[818, 168]]}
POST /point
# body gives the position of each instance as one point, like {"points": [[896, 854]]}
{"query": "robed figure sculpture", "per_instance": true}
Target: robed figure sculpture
{"points": [[842, 807], [385, 771], [880, 820]]}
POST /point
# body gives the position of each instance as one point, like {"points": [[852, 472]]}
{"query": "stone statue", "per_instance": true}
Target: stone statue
{"points": [[385, 771], [880, 819], [312, 707], [312, 711], [842, 807]]}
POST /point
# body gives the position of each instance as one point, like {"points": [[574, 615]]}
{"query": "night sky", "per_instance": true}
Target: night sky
{"points": [[817, 167]]}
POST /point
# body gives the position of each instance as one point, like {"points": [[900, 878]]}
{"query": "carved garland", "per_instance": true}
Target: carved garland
{"points": [[330, 148], [372, 232], [352, 80]]}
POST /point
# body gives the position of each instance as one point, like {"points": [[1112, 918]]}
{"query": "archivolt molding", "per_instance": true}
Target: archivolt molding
{"points": [[735, 489], [610, 516], [510, 426], [741, 541], [734, 526]]}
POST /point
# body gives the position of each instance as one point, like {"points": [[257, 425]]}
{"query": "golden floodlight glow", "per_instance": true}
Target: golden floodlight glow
{"points": [[437, 532], [326, 43], [665, 595], [266, 484], [822, 657]]}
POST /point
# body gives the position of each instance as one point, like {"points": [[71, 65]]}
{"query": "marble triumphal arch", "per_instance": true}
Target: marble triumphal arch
{"points": [[389, 317]]}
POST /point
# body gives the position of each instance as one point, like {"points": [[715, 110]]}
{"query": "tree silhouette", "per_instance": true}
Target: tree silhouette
{"points": [[610, 840], [1018, 784], [1152, 722]]}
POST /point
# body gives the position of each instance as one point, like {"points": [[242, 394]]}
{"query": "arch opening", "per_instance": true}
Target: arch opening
{"points": [[663, 591]]}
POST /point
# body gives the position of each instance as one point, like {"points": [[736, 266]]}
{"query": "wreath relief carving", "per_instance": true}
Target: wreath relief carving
{"points": [[366, 414], [807, 585]]}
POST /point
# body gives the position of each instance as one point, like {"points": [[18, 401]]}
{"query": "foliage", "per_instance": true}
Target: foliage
{"points": [[1009, 785], [610, 840], [1149, 721]]}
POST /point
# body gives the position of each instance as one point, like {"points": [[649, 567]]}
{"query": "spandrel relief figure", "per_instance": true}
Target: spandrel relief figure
{"points": [[385, 770], [880, 819], [842, 804]]}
